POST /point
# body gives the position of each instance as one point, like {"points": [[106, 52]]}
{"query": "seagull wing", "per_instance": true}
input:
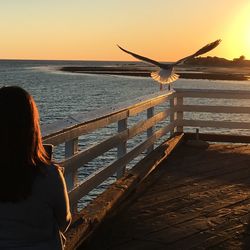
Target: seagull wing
{"points": [[201, 51], [145, 59]]}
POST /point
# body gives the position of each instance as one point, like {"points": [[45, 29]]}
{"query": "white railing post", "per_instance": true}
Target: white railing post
{"points": [[71, 148], [180, 114], [150, 113], [122, 147], [172, 114]]}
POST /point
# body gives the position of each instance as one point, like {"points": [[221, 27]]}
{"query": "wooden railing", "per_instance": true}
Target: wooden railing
{"points": [[69, 130], [173, 107], [221, 122]]}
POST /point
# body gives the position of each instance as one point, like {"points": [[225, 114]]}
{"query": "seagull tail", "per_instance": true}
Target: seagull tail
{"points": [[164, 76]]}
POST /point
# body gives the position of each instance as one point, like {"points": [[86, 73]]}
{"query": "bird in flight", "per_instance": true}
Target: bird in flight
{"points": [[166, 73]]}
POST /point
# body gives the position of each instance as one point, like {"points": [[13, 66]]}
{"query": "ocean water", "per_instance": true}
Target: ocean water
{"points": [[59, 94]]}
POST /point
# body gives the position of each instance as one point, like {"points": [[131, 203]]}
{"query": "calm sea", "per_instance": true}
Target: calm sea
{"points": [[59, 94]]}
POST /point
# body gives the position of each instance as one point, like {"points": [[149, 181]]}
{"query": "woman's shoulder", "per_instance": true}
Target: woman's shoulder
{"points": [[53, 168], [49, 179], [52, 172]]}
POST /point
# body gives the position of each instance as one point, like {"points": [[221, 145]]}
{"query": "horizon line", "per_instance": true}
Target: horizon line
{"points": [[100, 60]]}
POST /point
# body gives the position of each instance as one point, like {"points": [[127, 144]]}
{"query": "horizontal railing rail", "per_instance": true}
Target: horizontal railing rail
{"points": [[213, 93], [201, 107]]}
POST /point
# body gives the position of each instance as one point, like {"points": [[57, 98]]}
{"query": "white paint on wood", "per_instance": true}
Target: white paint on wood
{"points": [[68, 134], [122, 147], [71, 148], [179, 114], [172, 114], [213, 109], [149, 104], [215, 124], [150, 113], [213, 93]]}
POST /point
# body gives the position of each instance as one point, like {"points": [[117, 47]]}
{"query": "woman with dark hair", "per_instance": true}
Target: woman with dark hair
{"points": [[34, 204]]}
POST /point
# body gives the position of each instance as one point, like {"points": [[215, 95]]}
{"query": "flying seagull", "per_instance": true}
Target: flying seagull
{"points": [[166, 74]]}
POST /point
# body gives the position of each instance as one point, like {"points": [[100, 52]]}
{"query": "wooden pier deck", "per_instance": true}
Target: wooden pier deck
{"points": [[198, 199]]}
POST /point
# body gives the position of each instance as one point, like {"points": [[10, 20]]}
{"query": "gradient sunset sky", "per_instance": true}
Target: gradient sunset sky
{"points": [[165, 30]]}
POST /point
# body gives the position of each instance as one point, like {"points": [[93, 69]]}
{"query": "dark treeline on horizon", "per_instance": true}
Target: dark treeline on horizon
{"points": [[217, 61]]}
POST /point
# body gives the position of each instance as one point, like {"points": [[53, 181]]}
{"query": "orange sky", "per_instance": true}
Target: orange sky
{"points": [[89, 30]]}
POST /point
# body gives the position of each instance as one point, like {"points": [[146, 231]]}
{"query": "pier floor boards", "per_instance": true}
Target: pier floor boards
{"points": [[199, 199]]}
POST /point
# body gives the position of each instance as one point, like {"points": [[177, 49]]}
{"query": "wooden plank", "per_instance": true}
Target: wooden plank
{"points": [[122, 147], [213, 109], [214, 124], [215, 237], [68, 133], [170, 192], [71, 148], [50, 129], [233, 170], [199, 217], [179, 181], [219, 137], [216, 230], [179, 110], [146, 101], [150, 113], [213, 93], [173, 113], [149, 104], [190, 212], [148, 164], [109, 113]]}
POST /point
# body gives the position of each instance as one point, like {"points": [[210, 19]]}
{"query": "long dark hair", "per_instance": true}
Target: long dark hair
{"points": [[21, 151]]}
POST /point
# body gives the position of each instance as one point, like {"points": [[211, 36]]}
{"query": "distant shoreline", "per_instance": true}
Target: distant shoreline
{"points": [[188, 73]]}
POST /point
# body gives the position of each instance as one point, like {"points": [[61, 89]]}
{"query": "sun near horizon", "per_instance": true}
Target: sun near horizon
{"points": [[159, 29]]}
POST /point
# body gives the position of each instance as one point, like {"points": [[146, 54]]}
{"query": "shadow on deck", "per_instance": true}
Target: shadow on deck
{"points": [[198, 199]]}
